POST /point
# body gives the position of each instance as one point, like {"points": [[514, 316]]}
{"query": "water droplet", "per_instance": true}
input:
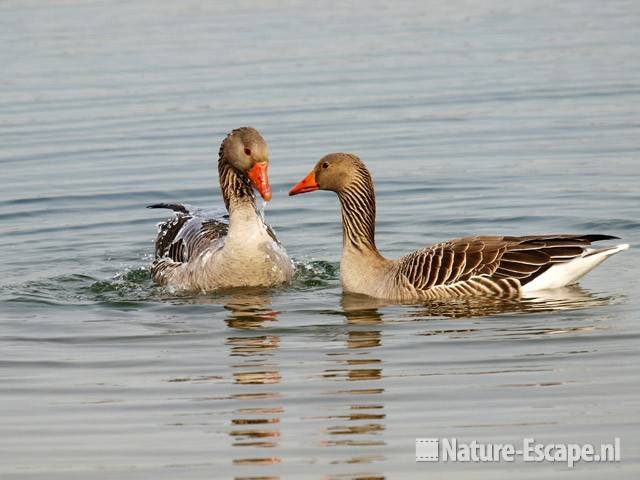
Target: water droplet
{"points": [[262, 208]]}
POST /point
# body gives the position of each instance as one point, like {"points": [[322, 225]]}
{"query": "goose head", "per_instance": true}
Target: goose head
{"points": [[335, 172], [246, 151]]}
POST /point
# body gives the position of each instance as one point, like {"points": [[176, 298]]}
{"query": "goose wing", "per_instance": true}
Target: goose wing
{"points": [[186, 234], [490, 264]]}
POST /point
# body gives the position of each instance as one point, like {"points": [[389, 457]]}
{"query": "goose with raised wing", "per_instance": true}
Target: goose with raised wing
{"points": [[206, 250], [501, 266]]}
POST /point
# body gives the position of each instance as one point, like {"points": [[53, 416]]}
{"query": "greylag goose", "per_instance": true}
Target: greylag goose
{"points": [[470, 266], [202, 250]]}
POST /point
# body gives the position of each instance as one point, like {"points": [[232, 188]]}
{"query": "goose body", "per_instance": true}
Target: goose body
{"points": [[206, 250], [495, 266]]}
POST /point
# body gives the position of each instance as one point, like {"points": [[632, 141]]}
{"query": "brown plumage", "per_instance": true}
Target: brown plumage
{"points": [[488, 259], [498, 266]]}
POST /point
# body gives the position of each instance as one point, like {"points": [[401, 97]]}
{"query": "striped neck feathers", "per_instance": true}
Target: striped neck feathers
{"points": [[358, 202], [235, 186]]}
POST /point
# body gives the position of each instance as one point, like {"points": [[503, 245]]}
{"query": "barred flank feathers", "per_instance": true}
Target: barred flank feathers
{"points": [[481, 265]]}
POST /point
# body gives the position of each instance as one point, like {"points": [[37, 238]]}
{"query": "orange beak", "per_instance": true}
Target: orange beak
{"points": [[260, 180], [307, 184]]}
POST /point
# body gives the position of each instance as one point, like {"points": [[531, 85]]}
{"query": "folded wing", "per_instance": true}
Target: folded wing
{"points": [[489, 264]]}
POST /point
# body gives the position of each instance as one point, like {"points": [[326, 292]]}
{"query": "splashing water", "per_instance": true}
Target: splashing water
{"points": [[262, 208], [314, 273], [133, 284]]}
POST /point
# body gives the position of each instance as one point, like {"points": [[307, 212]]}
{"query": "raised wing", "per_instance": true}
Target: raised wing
{"points": [[185, 235]]}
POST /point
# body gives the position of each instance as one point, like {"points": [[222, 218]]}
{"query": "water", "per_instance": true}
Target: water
{"points": [[474, 117]]}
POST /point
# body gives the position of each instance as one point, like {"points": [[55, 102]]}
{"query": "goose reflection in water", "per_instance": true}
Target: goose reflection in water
{"points": [[356, 418], [560, 299], [361, 423], [255, 373]]}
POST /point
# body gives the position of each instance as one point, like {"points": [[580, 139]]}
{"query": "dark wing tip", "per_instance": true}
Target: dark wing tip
{"points": [[176, 207], [598, 237]]}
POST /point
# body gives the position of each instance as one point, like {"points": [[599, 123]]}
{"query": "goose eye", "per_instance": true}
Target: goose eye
{"points": [[247, 151], [325, 165]]}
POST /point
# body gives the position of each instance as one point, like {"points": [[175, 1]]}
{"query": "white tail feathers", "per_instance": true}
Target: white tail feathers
{"points": [[563, 274]]}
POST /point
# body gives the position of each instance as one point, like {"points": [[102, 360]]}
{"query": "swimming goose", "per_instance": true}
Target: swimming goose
{"points": [[202, 250], [470, 266]]}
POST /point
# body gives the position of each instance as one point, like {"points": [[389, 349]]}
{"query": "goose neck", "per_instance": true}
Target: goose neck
{"points": [[358, 207], [237, 192]]}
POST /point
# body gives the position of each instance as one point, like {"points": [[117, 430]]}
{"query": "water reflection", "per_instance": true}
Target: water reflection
{"points": [[354, 426], [567, 298], [361, 421], [255, 372]]}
